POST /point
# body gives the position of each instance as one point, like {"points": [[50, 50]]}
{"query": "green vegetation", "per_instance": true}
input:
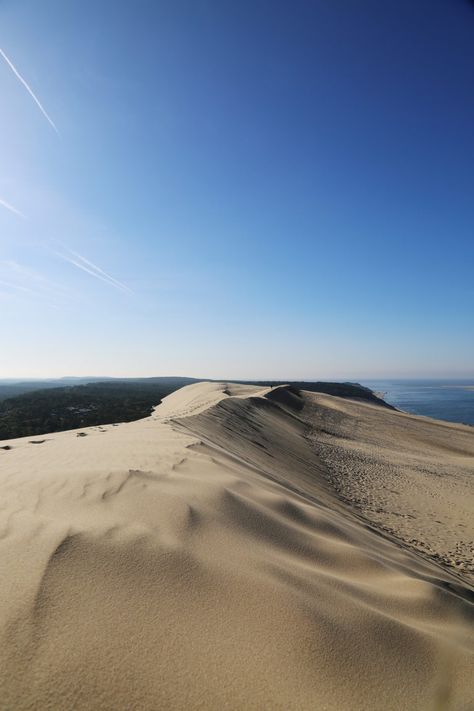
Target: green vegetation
{"points": [[66, 408]]}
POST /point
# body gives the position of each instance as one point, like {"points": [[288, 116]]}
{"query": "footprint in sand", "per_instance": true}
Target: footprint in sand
{"points": [[81, 434], [6, 446], [36, 441]]}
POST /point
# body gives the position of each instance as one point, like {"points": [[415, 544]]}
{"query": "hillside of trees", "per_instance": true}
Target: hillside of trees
{"points": [[72, 407]]}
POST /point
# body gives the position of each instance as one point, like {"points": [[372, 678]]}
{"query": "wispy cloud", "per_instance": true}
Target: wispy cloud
{"points": [[20, 281], [10, 207], [90, 268], [16, 287], [29, 90]]}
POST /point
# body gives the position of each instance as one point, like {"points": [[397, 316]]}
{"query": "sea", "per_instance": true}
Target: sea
{"points": [[451, 400]]}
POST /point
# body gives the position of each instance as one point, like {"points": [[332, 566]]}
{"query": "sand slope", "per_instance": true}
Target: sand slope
{"points": [[411, 476], [200, 559]]}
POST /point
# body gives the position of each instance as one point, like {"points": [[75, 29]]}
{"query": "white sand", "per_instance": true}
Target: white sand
{"points": [[201, 559]]}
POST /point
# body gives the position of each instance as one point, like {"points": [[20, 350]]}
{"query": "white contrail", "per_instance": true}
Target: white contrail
{"points": [[82, 263], [97, 269], [7, 206], [29, 90]]}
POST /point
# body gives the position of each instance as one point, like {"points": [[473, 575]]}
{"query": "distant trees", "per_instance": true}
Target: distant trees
{"points": [[56, 409]]}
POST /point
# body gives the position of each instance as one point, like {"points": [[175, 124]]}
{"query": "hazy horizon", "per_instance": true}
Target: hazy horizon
{"points": [[334, 377], [250, 188]]}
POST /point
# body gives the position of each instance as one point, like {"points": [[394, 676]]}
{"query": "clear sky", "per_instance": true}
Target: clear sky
{"points": [[237, 189]]}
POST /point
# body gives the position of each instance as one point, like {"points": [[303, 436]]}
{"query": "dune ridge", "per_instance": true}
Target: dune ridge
{"points": [[209, 557]]}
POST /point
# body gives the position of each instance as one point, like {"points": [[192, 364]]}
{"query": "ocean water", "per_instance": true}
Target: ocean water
{"points": [[443, 399]]}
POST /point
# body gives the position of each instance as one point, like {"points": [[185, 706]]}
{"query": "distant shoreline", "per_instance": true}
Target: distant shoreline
{"points": [[439, 400]]}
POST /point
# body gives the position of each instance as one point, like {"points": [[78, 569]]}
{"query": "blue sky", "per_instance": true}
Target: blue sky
{"points": [[253, 189]]}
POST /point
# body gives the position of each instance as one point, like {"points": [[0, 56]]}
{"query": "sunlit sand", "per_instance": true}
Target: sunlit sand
{"points": [[236, 550]]}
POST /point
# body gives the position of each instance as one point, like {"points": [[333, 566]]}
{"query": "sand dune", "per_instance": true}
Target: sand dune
{"points": [[227, 553]]}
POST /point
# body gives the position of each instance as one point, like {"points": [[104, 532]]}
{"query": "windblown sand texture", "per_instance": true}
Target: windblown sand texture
{"points": [[202, 559]]}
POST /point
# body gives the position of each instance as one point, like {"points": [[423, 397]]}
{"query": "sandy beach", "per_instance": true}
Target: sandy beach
{"points": [[241, 548]]}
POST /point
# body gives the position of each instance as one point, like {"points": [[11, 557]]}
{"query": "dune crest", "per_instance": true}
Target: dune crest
{"points": [[202, 558]]}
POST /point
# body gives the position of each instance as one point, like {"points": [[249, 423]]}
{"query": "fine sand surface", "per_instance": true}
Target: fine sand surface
{"points": [[411, 476], [228, 553]]}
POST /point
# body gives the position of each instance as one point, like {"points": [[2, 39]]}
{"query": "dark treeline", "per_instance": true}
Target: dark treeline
{"points": [[12, 388], [72, 407]]}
